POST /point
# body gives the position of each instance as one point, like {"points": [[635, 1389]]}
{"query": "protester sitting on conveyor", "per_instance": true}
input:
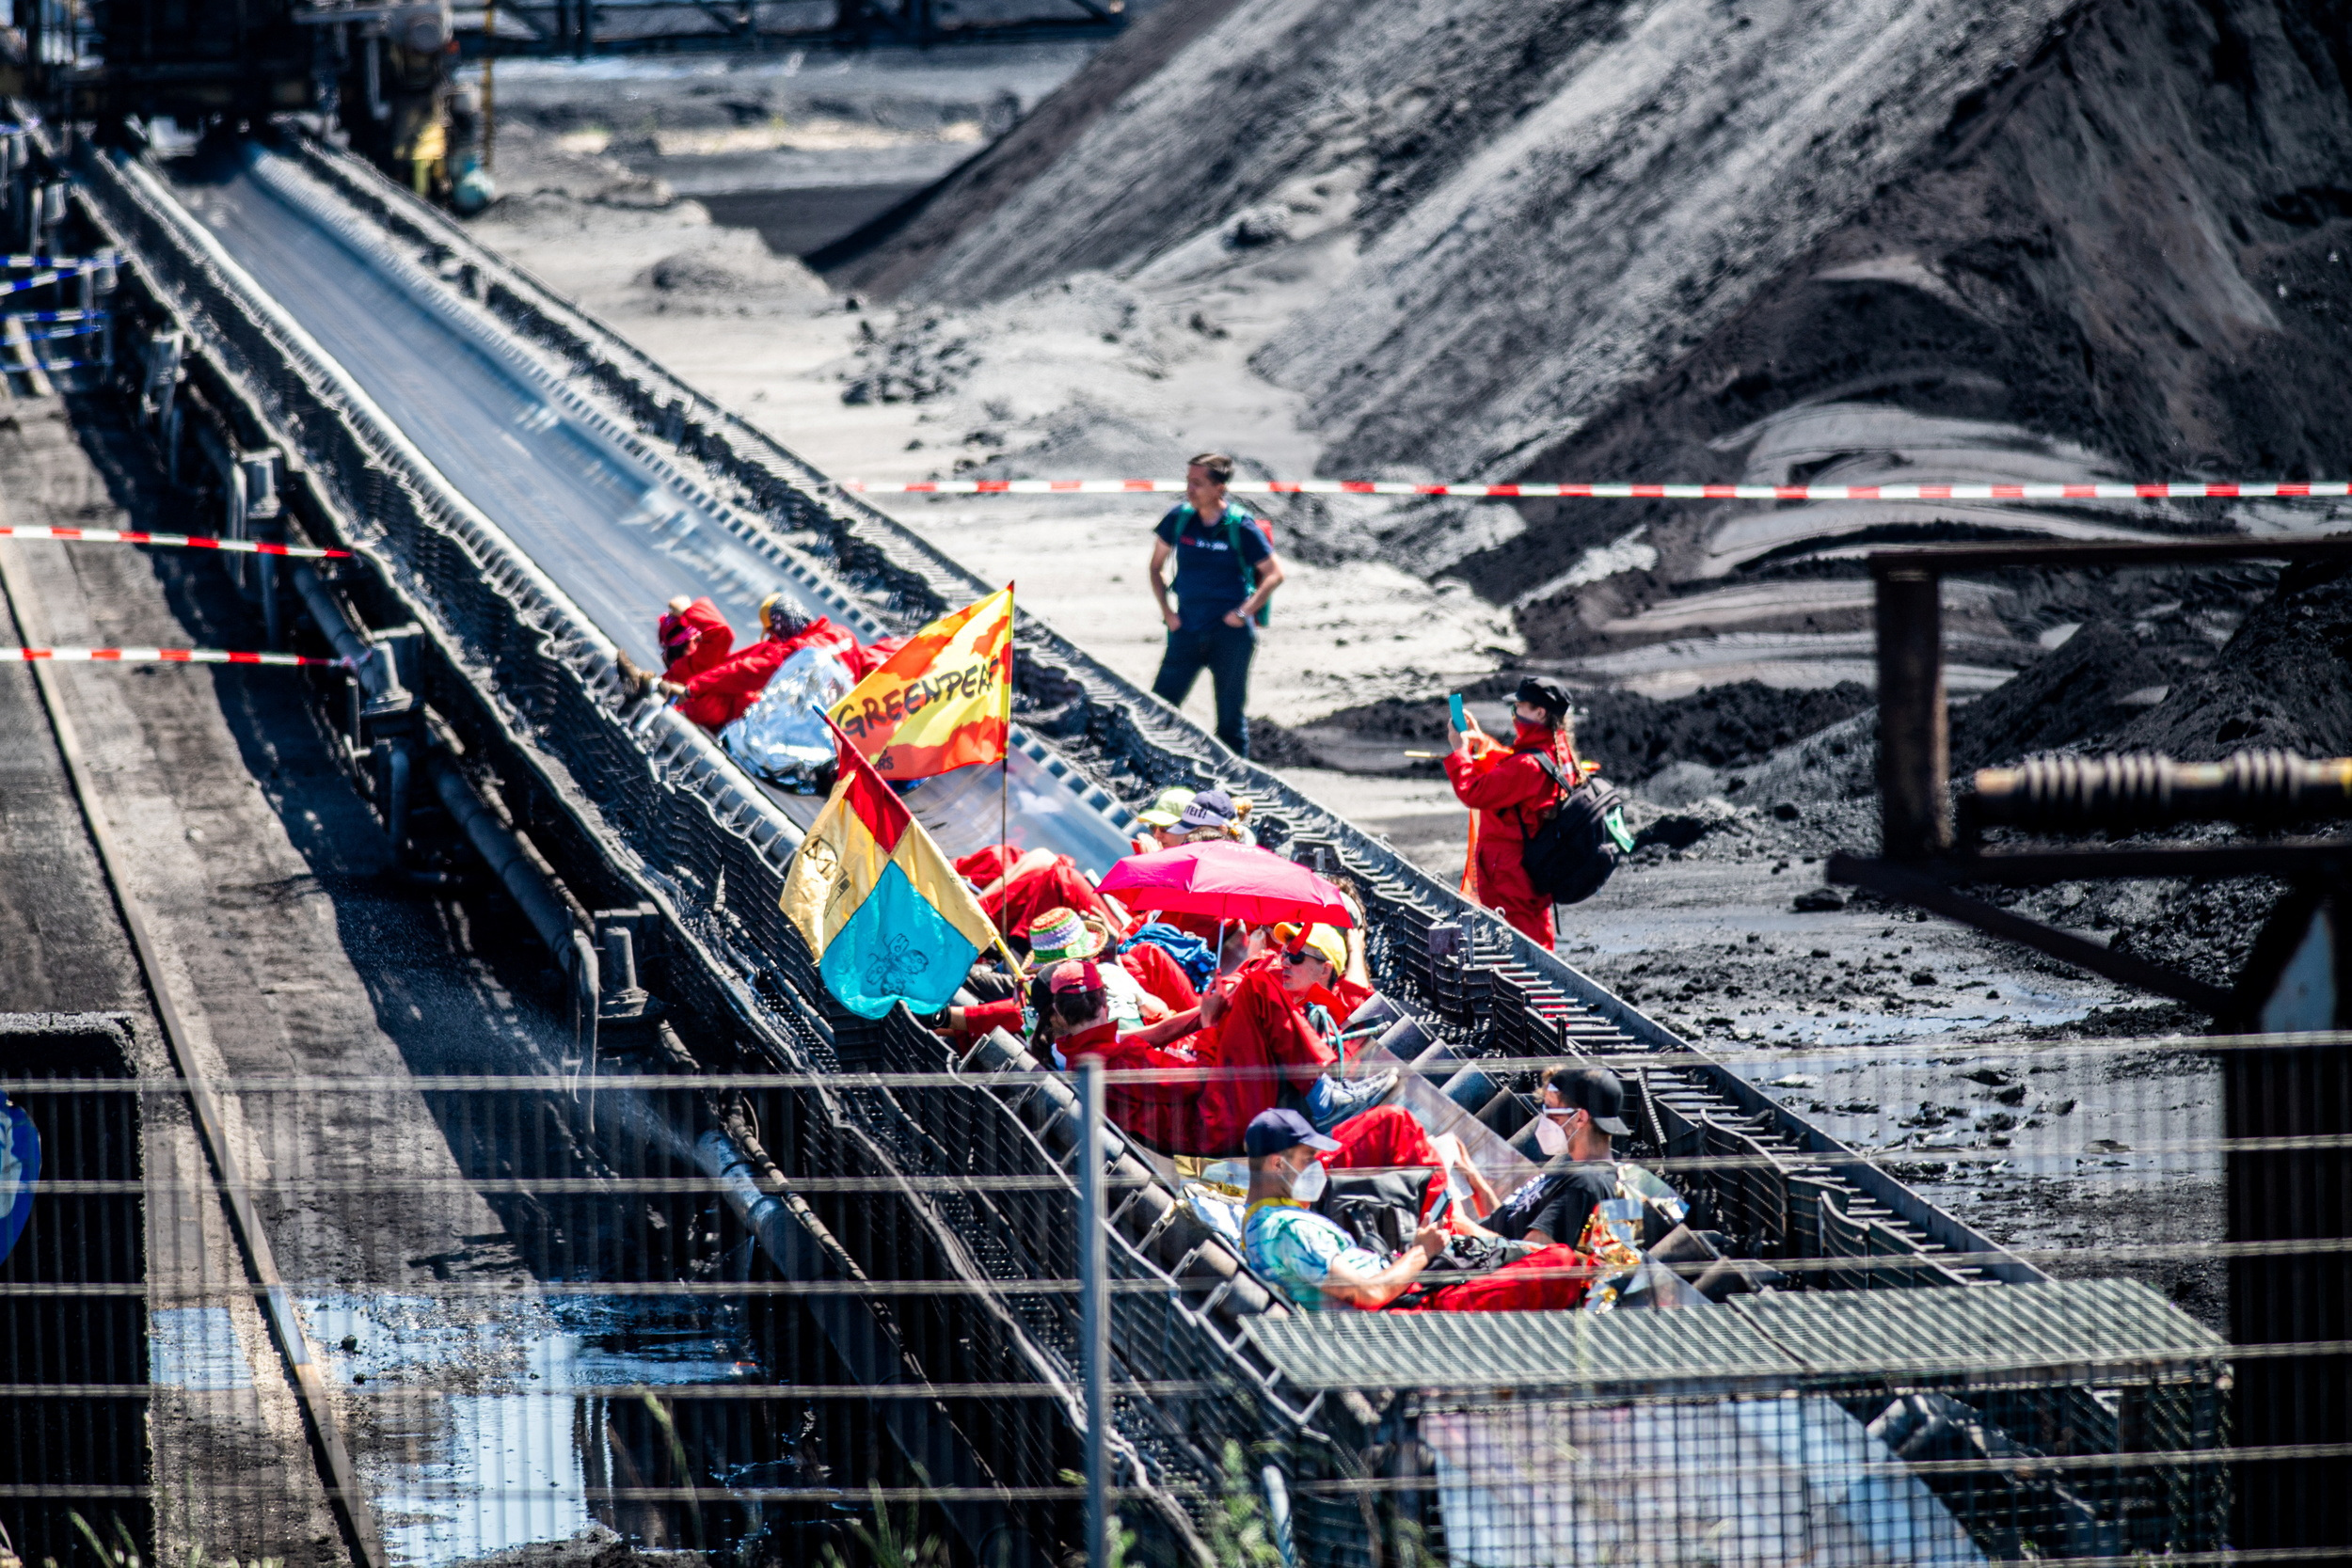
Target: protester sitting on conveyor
{"points": [[1584, 1111], [1014, 888], [1268, 1045], [1512, 795], [1163, 1109], [693, 636], [1208, 817], [1144, 983], [1318, 1265], [1159, 820]]}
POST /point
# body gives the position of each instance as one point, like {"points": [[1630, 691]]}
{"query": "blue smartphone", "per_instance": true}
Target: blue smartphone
{"points": [[1461, 716]]}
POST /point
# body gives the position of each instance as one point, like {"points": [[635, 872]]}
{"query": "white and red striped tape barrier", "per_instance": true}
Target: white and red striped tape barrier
{"points": [[2247, 490], [182, 541], [162, 656]]}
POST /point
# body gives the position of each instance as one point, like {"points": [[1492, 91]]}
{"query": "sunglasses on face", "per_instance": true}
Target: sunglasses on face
{"points": [[1301, 956]]}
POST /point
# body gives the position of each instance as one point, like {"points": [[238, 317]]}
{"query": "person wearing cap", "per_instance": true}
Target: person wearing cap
{"points": [[1268, 1045], [1144, 985], [1225, 572], [1205, 816], [1316, 1264], [1510, 795], [1159, 820], [1155, 1093], [693, 638], [1584, 1111]]}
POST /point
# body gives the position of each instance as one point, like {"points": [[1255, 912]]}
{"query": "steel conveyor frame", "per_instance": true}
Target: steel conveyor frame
{"points": [[645, 808], [879, 560], [532, 684]]}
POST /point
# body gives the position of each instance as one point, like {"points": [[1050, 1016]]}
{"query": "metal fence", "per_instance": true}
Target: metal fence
{"points": [[583, 1311]]}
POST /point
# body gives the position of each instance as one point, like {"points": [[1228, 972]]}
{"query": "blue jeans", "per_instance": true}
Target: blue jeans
{"points": [[1223, 651]]}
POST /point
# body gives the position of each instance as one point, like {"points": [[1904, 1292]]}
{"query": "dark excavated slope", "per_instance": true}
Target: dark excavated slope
{"points": [[1765, 239], [886, 255], [2135, 242]]}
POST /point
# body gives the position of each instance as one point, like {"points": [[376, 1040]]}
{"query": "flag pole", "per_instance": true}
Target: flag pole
{"points": [[1004, 779]]}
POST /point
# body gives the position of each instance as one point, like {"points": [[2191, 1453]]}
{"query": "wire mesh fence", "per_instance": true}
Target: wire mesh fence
{"points": [[708, 1315]]}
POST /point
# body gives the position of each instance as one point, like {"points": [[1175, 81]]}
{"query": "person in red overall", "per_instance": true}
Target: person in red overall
{"points": [[1014, 888], [693, 636], [1163, 1111], [1263, 1043], [726, 691], [1510, 794]]}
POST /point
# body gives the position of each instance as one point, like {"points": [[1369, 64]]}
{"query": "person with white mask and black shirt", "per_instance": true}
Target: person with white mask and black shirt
{"points": [[1582, 1113]]}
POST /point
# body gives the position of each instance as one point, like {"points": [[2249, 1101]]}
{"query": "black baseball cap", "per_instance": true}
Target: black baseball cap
{"points": [[1543, 694], [1596, 1091], [1272, 1132]]}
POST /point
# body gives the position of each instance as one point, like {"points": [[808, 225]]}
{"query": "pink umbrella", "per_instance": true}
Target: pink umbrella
{"points": [[1223, 881]]}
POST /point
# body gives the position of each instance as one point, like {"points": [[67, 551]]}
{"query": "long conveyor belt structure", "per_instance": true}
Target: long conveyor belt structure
{"points": [[523, 488]]}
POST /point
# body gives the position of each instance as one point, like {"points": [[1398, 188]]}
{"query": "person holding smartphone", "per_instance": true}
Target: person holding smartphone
{"points": [[1509, 795]]}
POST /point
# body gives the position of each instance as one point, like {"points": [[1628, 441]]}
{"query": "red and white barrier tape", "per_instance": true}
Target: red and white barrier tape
{"points": [[2283, 490], [183, 540], [160, 656]]}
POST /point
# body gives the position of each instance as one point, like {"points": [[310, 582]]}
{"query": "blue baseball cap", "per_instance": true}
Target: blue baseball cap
{"points": [[1272, 1132]]}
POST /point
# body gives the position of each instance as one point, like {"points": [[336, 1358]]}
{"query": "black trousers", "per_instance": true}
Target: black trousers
{"points": [[1224, 652]]}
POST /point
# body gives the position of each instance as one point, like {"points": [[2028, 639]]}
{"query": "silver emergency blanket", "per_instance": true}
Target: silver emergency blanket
{"points": [[782, 737]]}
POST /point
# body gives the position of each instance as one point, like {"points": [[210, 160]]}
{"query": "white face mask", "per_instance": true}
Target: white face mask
{"points": [[1308, 1184], [1550, 1136]]}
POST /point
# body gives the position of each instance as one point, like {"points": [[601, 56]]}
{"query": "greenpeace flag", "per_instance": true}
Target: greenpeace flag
{"points": [[884, 913], [944, 701]]}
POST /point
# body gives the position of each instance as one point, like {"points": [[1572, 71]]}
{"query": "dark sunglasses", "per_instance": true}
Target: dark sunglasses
{"points": [[1301, 955]]}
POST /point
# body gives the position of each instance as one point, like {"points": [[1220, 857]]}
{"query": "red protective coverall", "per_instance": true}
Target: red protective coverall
{"points": [[695, 640], [723, 693], [1550, 1279], [863, 662], [1383, 1138], [1165, 1115], [1160, 975], [1510, 792], [1058, 885], [1265, 1036]]}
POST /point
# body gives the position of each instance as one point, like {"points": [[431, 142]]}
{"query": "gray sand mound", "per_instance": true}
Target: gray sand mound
{"points": [[1842, 240]]}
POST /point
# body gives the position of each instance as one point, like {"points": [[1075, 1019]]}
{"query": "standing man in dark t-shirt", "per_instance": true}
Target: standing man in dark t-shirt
{"points": [[1583, 1109], [1225, 572]]}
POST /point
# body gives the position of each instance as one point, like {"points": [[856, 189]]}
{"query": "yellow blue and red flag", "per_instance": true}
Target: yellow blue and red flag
{"points": [[944, 701], [884, 913]]}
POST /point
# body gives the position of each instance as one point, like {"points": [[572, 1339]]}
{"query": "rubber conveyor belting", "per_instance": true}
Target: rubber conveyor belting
{"points": [[615, 537], [599, 512]]}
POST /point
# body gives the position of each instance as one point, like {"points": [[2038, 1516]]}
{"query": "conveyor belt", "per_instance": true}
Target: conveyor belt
{"points": [[616, 535], [618, 530]]}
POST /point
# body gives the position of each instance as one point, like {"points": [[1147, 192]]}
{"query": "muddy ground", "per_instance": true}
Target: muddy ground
{"points": [[293, 947]]}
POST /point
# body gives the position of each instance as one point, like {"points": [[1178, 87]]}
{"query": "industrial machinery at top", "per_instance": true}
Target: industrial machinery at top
{"points": [[380, 75]]}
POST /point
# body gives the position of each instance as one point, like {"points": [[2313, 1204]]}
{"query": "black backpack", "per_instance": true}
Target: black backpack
{"points": [[1579, 844]]}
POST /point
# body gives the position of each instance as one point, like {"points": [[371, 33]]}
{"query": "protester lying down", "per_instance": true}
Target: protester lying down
{"points": [[765, 702]]}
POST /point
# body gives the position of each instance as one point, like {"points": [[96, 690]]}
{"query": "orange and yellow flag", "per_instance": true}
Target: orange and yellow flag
{"points": [[944, 701]]}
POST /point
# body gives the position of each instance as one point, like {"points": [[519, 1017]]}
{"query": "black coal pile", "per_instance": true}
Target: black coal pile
{"points": [[2094, 683], [2284, 680], [1633, 737]]}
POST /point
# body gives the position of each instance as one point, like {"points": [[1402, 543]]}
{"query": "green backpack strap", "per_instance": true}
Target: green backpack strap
{"points": [[1248, 573]]}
